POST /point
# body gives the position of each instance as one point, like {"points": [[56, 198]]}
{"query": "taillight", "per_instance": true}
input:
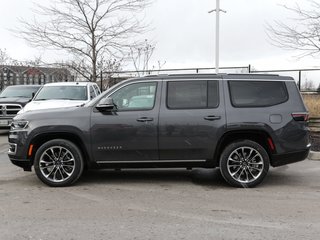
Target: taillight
{"points": [[300, 116]]}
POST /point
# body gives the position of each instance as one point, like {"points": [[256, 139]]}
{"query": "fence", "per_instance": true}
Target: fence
{"points": [[314, 124], [107, 79], [307, 79]]}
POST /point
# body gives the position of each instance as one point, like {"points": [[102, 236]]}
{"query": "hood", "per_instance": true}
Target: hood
{"points": [[58, 115], [50, 104], [18, 100]]}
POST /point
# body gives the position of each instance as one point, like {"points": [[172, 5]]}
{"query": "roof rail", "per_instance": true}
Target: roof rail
{"points": [[258, 74]]}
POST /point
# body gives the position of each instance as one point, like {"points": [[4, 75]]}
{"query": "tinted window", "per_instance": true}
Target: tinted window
{"points": [[137, 96], [20, 92], [92, 93], [213, 94], [97, 89], [192, 94], [257, 93], [62, 92]]}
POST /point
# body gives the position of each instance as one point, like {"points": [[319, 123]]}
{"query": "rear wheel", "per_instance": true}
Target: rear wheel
{"points": [[244, 163], [58, 163]]}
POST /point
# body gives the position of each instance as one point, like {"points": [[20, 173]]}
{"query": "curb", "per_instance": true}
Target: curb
{"points": [[314, 156]]}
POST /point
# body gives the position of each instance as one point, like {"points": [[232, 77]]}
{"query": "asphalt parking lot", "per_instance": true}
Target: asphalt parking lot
{"points": [[160, 204]]}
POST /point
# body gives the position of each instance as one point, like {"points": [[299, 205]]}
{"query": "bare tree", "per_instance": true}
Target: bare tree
{"points": [[4, 57], [160, 65], [140, 57], [89, 30], [304, 35], [308, 85]]}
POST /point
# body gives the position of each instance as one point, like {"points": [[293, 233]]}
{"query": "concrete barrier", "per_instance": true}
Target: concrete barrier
{"points": [[314, 156]]}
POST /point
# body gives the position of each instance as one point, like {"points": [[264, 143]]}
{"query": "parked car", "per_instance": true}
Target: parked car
{"points": [[13, 99], [239, 123], [62, 94]]}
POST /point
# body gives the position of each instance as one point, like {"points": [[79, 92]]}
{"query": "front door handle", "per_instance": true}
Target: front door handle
{"points": [[212, 118], [145, 119]]}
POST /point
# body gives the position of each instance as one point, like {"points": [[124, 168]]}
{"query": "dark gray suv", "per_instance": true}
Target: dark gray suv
{"points": [[239, 123]]}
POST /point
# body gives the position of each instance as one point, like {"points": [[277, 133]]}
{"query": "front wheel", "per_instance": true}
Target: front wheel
{"points": [[58, 163], [244, 163]]}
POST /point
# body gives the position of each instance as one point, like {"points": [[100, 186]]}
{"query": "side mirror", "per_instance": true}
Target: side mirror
{"points": [[106, 104]]}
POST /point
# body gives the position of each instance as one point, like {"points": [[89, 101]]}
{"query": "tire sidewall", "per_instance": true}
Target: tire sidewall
{"points": [[224, 159], [77, 156]]}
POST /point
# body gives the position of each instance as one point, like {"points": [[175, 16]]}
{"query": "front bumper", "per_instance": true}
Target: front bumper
{"points": [[26, 164], [5, 123], [18, 147]]}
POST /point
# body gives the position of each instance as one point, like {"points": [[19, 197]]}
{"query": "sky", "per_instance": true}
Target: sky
{"points": [[184, 33]]}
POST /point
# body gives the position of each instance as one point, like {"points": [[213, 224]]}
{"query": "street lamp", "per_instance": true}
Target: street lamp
{"points": [[217, 10]]}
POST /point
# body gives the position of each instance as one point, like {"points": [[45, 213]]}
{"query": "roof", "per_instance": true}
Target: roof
{"points": [[24, 86], [261, 77], [44, 70], [69, 84]]}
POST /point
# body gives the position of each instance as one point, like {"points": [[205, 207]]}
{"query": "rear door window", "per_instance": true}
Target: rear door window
{"points": [[192, 94], [257, 93]]}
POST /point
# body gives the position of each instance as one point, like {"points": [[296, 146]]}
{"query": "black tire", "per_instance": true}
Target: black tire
{"points": [[244, 163], [58, 163]]}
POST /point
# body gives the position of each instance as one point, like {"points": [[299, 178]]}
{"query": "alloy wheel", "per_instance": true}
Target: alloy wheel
{"points": [[57, 164], [245, 164]]}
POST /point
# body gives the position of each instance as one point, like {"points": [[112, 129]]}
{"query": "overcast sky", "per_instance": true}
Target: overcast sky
{"points": [[184, 33]]}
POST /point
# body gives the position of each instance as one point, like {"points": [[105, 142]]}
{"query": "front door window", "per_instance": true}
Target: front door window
{"points": [[138, 96]]}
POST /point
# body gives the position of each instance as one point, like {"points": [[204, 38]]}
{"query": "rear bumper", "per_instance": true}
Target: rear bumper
{"points": [[283, 159]]}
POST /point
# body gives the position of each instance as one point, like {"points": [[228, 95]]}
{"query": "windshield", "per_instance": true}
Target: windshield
{"points": [[21, 92], [62, 92]]}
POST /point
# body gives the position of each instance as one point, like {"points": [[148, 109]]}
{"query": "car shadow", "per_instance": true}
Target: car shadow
{"points": [[210, 178], [283, 176], [205, 177]]}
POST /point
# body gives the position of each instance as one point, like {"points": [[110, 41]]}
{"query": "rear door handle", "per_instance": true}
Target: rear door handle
{"points": [[212, 118], [145, 119]]}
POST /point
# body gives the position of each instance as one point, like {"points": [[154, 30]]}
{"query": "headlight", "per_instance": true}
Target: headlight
{"points": [[19, 125]]}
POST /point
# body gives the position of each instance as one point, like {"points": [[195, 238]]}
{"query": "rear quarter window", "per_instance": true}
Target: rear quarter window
{"points": [[257, 93], [96, 89]]}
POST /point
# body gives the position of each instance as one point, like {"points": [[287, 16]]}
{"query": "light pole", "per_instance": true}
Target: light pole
{"points": [[217, 10]]}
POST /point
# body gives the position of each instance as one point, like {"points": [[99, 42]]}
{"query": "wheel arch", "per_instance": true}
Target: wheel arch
{"points": [[259, 136], [40, 139]]}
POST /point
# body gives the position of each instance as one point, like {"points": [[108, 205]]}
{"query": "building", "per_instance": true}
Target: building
{"points": [[15, 75]]}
